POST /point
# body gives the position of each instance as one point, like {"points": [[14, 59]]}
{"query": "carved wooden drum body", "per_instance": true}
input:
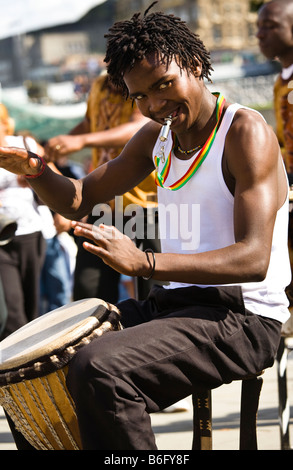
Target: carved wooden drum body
{"points": [[33, 368]]}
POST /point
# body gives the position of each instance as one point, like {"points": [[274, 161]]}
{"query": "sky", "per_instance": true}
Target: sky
{"points": [[23, 16]]}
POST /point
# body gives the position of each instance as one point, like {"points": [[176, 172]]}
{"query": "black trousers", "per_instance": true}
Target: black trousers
{"points": [[175, 342], [21, 261]]}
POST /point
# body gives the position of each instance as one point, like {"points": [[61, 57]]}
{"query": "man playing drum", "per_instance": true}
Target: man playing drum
{"points": [[221, 175]]}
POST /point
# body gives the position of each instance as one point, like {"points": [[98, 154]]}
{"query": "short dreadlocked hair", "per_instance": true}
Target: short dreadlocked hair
{"points": [[166, 35]]}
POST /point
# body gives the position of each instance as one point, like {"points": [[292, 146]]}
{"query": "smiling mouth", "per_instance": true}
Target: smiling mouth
{"points": [[170, 117], [167, 124]]}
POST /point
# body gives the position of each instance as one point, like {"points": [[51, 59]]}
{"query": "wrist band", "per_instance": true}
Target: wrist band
{"points": [[32, 155], [147, 251]]}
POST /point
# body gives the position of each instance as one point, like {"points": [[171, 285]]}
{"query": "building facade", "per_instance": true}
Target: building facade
{"points": [[221, 24]]}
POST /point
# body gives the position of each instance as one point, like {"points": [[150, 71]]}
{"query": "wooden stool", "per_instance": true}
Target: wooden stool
{"points": [[202, 415], [285, 348]]}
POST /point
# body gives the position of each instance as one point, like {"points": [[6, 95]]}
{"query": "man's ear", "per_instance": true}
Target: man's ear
{"points": [[197, 69]]}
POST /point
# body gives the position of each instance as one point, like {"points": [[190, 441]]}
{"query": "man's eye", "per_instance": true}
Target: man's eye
{"points": [[165, 85]]}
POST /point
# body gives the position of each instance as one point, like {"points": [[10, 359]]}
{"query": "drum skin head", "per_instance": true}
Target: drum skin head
{"points": [[52, 331], [34, 366]]}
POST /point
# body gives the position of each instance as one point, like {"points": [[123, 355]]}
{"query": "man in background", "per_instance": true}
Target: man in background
{"points": [[275, 36]]}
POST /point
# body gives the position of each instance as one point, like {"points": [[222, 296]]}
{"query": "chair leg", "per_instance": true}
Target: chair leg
{"points": [[284, 409], [250, 394], [202, 421]]}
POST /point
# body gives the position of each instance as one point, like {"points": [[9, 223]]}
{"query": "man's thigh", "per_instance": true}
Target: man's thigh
{"points": [[167, 358], [172, 346]]}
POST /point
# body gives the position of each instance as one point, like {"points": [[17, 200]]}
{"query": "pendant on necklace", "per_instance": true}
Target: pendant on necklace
{"points": [[196, 163], [162, 154], [163, 137]]}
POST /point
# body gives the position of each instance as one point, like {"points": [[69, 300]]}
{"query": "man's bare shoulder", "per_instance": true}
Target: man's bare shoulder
{"points": [[145, 139], [250, 133], [248, 120], [251, 147], [150, 129]]}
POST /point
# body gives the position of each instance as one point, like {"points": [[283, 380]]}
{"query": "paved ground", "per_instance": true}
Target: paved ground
{"points": [[174, 430]]}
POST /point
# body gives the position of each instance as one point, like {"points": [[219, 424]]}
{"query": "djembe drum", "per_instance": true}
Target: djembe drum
{"points": [[33, 369]]}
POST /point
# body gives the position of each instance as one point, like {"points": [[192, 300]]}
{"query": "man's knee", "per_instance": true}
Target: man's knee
{"points": [[87, 364], [79, 369]]}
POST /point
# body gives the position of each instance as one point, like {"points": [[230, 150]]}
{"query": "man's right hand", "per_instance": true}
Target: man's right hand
{"points": [[19, 161]]}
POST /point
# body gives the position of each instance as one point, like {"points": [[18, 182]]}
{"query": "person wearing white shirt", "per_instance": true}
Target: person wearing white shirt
{"points": [[22, 258]]}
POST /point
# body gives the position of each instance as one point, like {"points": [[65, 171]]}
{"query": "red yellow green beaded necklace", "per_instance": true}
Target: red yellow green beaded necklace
{"points": [[197, 162]]}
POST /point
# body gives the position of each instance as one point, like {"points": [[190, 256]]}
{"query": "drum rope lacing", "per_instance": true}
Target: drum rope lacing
{"points": [[40, 395]]}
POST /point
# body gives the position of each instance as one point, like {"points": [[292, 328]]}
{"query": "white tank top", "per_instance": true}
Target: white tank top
{"points": [[206, 204]]}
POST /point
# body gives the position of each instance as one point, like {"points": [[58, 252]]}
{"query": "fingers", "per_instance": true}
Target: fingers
{"points": [[92, 233], [95, 250], [63, 145], [89, 231], [17, 160], [108, 232], [114, 248], [34, 161], [8, 152], [52, 154], [54, 148], [97, 233], [85, 230], [100, 235]]}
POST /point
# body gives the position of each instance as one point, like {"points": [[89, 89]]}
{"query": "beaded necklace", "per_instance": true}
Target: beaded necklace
{"points": [[188, 152], [198, 161]]}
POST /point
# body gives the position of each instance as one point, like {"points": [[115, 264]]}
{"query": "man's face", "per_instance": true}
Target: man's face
{"points": [[161, 91], [274, 32]]}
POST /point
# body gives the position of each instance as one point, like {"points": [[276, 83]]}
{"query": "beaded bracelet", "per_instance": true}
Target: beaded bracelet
{"points": [[149, 250], [33, 155]]}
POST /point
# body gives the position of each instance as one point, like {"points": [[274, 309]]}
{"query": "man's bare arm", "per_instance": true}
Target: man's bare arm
{"points": [[75, 198], [260, 188]]}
